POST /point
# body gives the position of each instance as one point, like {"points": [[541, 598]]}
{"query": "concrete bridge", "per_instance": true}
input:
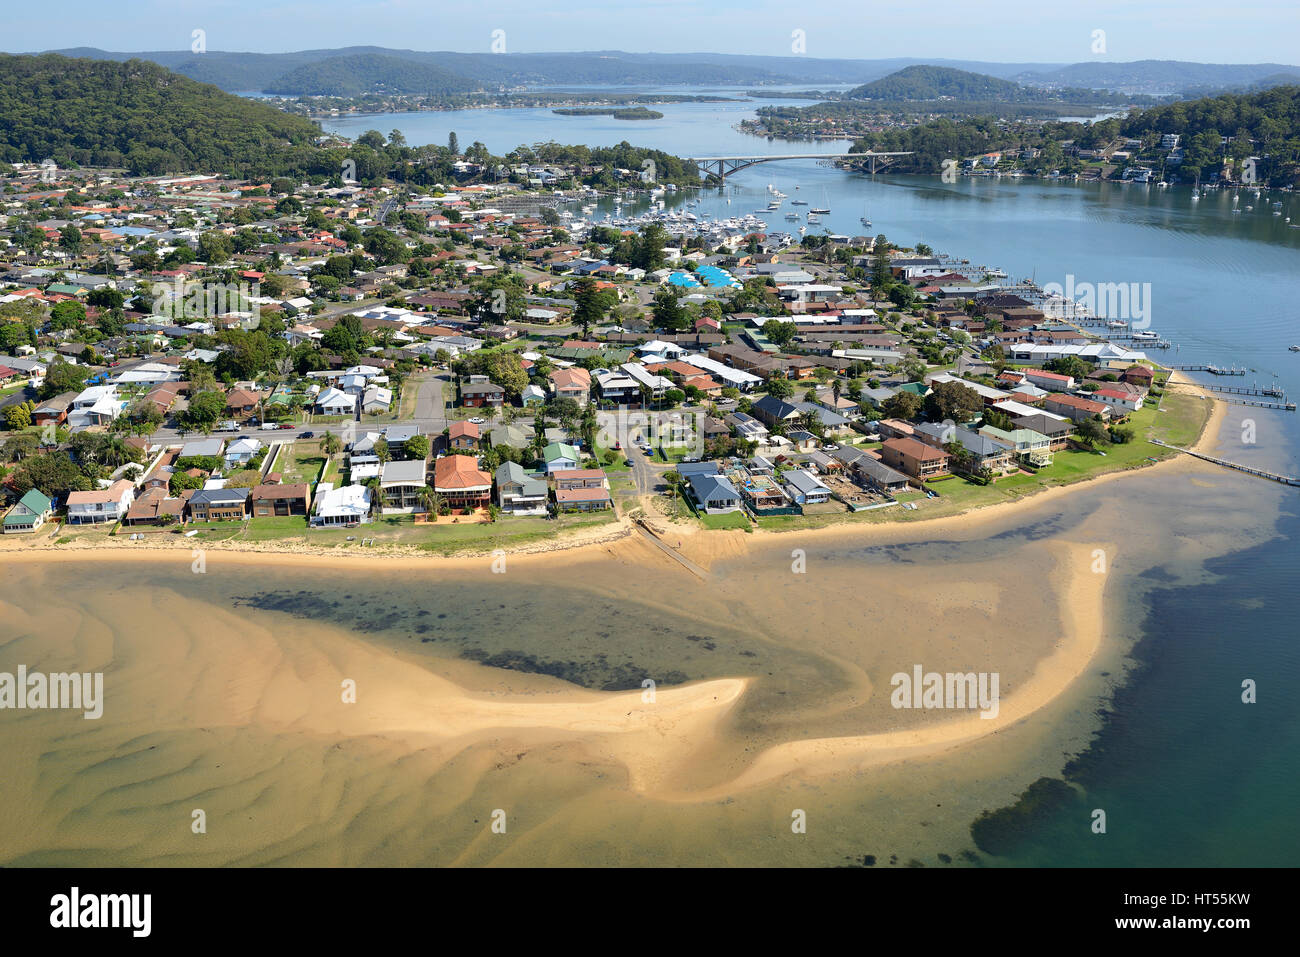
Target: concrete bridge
{"points": [[724, 166]]}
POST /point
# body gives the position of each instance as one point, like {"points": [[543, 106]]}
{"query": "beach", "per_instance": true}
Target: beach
{"points": [[224, 687]]}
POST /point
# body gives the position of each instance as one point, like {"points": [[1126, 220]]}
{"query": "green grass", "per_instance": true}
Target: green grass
{"points": [[1180, 423], [726, 520]]}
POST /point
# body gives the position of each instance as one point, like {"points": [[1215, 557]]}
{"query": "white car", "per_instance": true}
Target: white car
{"points": [[478, 420]]}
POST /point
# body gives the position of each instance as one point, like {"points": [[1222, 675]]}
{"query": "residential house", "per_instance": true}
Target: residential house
{"points": [[459, 480], [572, 383], [915, 458], [281, 500], [1031, 448], [334, 401], [463, 434], [32, 511], [519, 493], [805, 488], [101, 505], [581, 490], [984, 451], [559, 456], [1121, 402], [242, 451], [343, 506], [218, 505], [402, 482], [154, 504], [479, 392], [1057, 429]]}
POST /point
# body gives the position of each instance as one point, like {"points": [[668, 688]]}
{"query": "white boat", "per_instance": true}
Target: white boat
{"points": [[1295, 348], [814, 218]]}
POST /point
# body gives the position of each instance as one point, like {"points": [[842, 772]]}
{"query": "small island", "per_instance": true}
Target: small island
{"points": [[618, 112]]}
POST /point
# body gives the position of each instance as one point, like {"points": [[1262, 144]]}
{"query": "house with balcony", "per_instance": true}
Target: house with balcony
{"points": [[218, 505], [402, 482], [518, 492], [581, 490], [101, 505], [479, 392], [914, 458], [459, 480]]}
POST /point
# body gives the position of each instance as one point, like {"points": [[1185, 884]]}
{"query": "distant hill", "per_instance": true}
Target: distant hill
{"points": [[936, 82], [136, 115], [368, 73], [1155, 76]]}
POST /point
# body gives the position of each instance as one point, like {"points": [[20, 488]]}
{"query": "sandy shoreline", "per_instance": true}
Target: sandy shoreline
{"points": [[656, 742], [702, 549]]}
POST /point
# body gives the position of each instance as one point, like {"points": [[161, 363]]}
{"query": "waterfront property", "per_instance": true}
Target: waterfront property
{"points": [[31, 512], [916, 459], [218, 505], [459, 480], [519, 493], [102, 505]]}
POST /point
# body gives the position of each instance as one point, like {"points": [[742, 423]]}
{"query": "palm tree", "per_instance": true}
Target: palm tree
{"points": [[428, 499], [330, 443], [378, 496]]}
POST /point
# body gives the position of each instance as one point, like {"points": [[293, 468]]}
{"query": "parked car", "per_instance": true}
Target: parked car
{"points": [[478, 420], [286, 425]]}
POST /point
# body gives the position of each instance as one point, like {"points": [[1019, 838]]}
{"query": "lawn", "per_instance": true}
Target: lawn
{"points": [[726, 520]]}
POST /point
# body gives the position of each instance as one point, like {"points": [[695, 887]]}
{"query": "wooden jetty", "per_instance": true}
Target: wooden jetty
{"points": [[1249, 470]]}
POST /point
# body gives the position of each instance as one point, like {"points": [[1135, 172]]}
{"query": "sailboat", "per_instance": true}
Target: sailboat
{"points": [[1196, 190], [865, 221]]}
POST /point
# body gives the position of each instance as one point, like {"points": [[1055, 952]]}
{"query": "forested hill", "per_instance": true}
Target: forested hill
{"points": [[369, 73], [1214, 132], [137, 115], [933, 82]]}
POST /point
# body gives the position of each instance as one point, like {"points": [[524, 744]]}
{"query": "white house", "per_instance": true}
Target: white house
{"points": [[345, 505], [335, 402], [102, 505]]}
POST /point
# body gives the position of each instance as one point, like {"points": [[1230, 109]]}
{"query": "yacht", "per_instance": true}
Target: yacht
{"points": [[798, 202], [814, 218], [1295, 348], [794, 217], [820, 210]]}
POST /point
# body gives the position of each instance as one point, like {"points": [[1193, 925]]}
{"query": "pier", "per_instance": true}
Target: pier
{"points": [[1249, 470], [1234, 390], [1213, 370]]}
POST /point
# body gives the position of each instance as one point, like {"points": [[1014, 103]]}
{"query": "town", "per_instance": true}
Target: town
{"points": [[487, 363]]}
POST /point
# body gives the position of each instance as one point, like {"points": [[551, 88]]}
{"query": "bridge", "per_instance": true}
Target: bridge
{"points": [[724, 166]]}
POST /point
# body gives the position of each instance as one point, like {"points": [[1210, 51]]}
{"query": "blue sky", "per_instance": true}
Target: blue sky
{"points": [[1249, 31]]}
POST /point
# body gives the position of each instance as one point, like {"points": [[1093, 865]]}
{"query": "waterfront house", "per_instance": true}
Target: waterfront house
{"points": [[32, 511], [984, 451], [1057, 429], [1075, 407], [459, 480], [401, 482], [1121, 402], [518, 492], [581, 490], [874, 474], [345, 505], [805, 488], [280, 500], [914, 458], [218, 505], [1031, 448], [101, 505], [713, 493]]}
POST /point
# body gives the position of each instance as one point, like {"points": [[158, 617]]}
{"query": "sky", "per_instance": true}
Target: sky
{"points": [[1020, 31]]}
